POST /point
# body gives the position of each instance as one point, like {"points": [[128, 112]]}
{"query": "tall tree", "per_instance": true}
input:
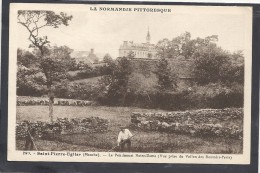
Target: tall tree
{"points": [[116, 82], [166, 78], [107, 58], [34, 21], [211, 64], [166, 49]]}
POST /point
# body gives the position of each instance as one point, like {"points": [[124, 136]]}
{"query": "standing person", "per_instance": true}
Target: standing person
{"points": [[124, 138], [30, 133]]}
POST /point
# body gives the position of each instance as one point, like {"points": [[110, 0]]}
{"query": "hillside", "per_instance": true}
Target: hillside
{"points": [[183, 68], [143, 77], [137, 82]]}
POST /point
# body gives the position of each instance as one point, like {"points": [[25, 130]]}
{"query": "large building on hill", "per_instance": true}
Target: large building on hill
{"points": [[141, 50]]}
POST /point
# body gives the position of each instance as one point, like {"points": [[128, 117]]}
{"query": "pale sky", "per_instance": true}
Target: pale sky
{"points": [[105, 31]]}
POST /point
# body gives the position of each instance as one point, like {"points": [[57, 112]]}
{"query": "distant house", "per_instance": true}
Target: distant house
{"points": [[88, 57]]}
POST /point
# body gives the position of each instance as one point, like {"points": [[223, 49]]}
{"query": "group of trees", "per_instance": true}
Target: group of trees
{"points": [[212, 64], [32, 69], [183, 45]]}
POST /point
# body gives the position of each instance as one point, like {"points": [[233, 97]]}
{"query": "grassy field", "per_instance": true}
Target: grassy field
{"points": [[136, 79], [142, 142], [92, 80]]}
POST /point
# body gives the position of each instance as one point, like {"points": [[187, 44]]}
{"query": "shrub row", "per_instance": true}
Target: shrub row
{"points": [[28, 101], [208, 122], [215, 97]]}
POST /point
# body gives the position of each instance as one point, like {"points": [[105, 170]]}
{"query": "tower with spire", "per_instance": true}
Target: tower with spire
{"points": [[148, 36]]}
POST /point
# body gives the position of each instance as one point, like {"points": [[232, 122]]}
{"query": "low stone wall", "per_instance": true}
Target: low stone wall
{"points": [[207, 122], [29, 101], [64, 126]]}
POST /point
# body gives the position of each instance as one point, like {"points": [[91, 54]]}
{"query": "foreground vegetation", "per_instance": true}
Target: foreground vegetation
{"points": [[142, 142]]}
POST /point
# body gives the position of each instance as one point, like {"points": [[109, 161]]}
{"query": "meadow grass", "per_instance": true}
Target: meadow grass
{"points": [[142, 142]]}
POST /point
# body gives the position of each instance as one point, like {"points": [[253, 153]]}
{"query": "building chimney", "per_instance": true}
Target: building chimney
{"points": [[125, 43], [92, 51]]}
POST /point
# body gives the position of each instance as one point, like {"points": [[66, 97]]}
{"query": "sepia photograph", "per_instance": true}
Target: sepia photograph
{"points": [[130, 83]]}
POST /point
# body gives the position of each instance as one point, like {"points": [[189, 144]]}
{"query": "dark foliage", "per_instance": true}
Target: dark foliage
{"points": [[166, 78]]}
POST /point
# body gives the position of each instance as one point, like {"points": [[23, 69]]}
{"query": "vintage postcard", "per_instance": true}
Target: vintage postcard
{"points": [[129, 83]]}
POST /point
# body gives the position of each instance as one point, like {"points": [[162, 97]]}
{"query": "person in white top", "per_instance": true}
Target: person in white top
{"points": [[124, 138]]}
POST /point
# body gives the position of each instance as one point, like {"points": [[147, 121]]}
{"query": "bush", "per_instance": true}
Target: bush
{"points": [[216, 96]]}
